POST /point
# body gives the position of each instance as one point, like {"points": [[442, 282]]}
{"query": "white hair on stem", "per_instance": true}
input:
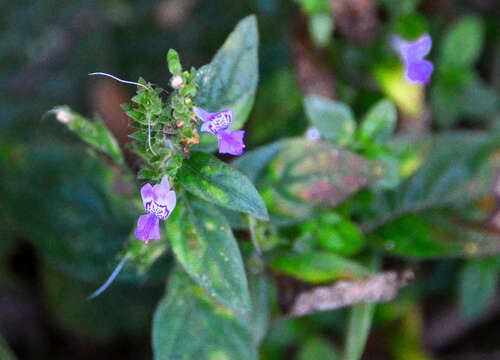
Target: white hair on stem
{"points": [[131, 83], [118, 79]]}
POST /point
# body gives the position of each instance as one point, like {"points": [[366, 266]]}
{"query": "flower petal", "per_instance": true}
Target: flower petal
{"points": [[146, 194], [164, 182], [419, 71], [148, 227], [160, 194], [418, 49], [202, 114], [231, 142], [171, 201]]}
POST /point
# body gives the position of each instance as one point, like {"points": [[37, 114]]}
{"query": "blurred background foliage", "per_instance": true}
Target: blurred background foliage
{"points": [[64, 215]]}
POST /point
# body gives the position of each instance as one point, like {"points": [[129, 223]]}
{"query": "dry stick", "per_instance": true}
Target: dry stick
{"points": [[356, 20], [379, 288]]}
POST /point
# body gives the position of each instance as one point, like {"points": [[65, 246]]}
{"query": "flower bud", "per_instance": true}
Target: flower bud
{"points": [[177, 82], [64, 116]]}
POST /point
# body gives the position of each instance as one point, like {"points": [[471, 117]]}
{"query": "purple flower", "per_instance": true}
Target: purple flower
{"points": [[159, 201], [230, 142], [412, 54]]}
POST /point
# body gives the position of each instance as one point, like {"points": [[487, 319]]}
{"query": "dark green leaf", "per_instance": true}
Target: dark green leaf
{"points": [[380, 121], [257, 320], [93, 133], [478, 281], [305, 176], [318, 267], [317, 347], [216, 182], [456, 173], [78, 222], [5, 352], [203, 243], [333, 119], [187, 325], [123, 308], [435, 234]]}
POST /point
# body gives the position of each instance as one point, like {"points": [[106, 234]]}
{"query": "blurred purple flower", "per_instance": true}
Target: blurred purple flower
{"points": [[230, 142], [412, 54], [159, 201]]}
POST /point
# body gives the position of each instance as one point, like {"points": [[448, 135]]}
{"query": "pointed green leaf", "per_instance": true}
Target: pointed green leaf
{"points": [[478, 282], [214, 181], [204, 245], [174, 64], [457, 173], [318, 267], [334, 120], [358, 329], [188, 326], [230, 80], [462, 43], [380, 121], [303, 177], [5, 352], [317, 347], [94, 133], [434, 234]]}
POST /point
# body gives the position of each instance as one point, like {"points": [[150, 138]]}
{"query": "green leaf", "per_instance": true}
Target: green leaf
{"points": [[93, 133], [78, 223], [434, 234], [230, 80], [379, 123], [359, 322], [174, 64], [338, 235], [123, 308], [358, 329], [204, 245], [462, 43], [456, 173], [257, 321], [334, 120], [216, 182], [187, 325], [317, 267], [5, 352], [478, 282], [317, 347], [321, 28], [298, 177]]}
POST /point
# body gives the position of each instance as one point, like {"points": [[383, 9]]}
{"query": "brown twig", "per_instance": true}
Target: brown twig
{"points": [[378, 288]]}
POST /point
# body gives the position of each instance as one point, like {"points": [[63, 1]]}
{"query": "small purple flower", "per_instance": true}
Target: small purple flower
{"points": [[412, 54], [230, 142], [159, 201]]}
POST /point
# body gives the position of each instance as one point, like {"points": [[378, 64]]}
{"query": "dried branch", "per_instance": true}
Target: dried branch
{"points": [[356, 20], [314, 75], [378, 288]]}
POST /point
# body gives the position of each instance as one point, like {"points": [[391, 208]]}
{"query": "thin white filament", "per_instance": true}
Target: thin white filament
{"points": [[132, 83], [112, 277], [118, 79], [149, 135]]}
